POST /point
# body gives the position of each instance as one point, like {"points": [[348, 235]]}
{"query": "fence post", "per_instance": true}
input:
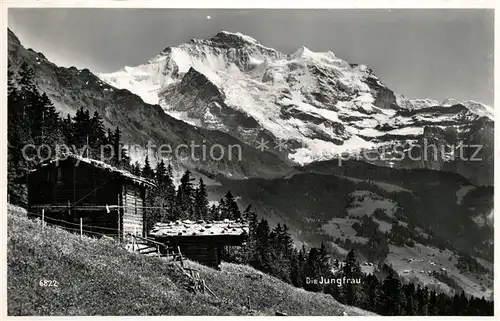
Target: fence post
{"points": [[180, 255], [134, 240], [81, 228], [43, 218], [119, 221]]}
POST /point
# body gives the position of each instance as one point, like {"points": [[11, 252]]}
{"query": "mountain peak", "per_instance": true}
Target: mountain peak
{"points": [[475, 107], [12, 37], [233, 38], [450, 102], [302, 51]]}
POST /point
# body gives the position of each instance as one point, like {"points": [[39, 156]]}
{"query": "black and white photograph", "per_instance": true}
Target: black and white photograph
{"points": [[249, 161]]}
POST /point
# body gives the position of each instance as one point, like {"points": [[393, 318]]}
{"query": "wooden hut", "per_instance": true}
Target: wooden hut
{"points": [[109, 200], [201, 241]]}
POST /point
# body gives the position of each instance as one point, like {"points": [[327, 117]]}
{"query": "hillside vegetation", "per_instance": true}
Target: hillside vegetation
{"points": [[98, 277]]}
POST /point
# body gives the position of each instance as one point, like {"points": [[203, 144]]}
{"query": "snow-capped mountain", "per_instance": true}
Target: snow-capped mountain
{"points": [[232, 83], [412, 104], [317, 104], [474, 106]]}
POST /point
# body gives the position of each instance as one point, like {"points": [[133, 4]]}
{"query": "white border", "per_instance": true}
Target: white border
{"points": [[214, 4], [281, 4]]}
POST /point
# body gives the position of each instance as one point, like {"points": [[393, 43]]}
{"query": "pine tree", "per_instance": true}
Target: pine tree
{"points": [[312, 271], [160, 173], [229, 208], [121, 158], [136, 169], [247, 213], [464, 303], [351, 271], [26, 80], [159, 206], [323, 258], [222, 209], [201, 201], [456, 306], [213, 214], [67, 131], [262, 258], [169, 192], [369, 293], [281, 252], [18, 134], [422, 300], [147, 171], [81, 129], [117, 148], [97, 136], [433, 304], [50, 126], [443, 307], [151, 213], [409, 293], [185, 197], [250, 249], [392, 289], [296, 269]]}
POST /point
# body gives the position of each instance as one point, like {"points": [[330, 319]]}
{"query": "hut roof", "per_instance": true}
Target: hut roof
{"points": [[200, 228], [98, 164]]}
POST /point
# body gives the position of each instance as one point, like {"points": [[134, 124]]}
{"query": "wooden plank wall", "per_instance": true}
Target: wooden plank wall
{"points": [[200, 249], [133, 218], [96, 219], [100, 222], [83, 184]]}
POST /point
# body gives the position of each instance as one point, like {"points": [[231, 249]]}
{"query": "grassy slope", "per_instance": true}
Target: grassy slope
{"points": [[98, 277]]}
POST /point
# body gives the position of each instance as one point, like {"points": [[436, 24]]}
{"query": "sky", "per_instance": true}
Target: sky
{"points": [[423, 53]]}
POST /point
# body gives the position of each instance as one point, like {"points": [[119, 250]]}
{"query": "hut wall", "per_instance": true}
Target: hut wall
{"points": [[65, 183], [133, 212], [206, 250], [201, 251], [95, 222], [56, 188]]}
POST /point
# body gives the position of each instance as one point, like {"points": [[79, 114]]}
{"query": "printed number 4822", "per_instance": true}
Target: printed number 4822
{"points": [[48, 283]]}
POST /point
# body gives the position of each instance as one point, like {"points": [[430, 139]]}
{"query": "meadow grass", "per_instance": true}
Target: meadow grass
{"points": [[100, 277]]}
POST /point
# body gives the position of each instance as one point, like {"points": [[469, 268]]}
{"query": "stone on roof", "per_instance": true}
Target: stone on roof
{"points": [[200, 228]]}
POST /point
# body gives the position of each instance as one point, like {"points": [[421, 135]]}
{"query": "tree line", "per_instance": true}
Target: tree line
{"points": [[33, 120], [272, 251], [189, 201]]}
